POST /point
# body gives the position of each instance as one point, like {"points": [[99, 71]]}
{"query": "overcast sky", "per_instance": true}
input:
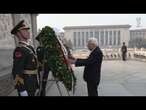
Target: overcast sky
{"points": [[61, 20]]}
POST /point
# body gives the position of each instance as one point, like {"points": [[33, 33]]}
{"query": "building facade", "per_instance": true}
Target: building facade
{"points": [[137, 33], [108, 36]]}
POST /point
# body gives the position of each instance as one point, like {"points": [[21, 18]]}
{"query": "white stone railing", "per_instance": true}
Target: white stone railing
{"points": [[115, 54], [141, 51], [140, 54], [134, 54]]}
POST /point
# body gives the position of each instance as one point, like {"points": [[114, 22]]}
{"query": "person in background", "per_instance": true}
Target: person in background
{"points": [[124, 51]]}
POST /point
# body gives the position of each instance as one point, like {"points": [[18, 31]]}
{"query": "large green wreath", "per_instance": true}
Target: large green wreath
{"points": [[56, 59]]}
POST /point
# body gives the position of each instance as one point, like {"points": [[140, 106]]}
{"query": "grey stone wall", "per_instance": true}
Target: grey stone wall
{"points": [[6, 85], [6, 39]]}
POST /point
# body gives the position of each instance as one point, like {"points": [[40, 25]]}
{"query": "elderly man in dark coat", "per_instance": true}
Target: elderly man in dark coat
{"points": [[92, 66]]}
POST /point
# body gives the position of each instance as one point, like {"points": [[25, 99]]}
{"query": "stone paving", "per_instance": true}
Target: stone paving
{"points": [[118, 78], [6, 81], [123, 78]]}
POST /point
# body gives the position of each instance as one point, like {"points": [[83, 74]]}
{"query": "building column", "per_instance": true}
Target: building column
{"points": [[104, 38], [81, 40], [108, 38], [117, 38], [77, 40], [84, 39], [73, 42], [34, 29], [112, 38], [87, 37], [99, 39]]}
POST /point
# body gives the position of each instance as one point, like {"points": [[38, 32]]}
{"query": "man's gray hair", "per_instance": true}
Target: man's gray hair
{"points": [[93, 41]]}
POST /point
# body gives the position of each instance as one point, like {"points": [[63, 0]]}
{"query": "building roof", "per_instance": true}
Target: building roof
{"points": [[138, 29], [96, 26]]}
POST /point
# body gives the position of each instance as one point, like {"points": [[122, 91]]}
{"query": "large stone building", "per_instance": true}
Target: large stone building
{"points": [[108, 36], [138, 33]]}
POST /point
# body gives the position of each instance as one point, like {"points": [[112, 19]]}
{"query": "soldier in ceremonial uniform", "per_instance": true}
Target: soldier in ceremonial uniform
{"points": [[124, 51], [24, 69]]}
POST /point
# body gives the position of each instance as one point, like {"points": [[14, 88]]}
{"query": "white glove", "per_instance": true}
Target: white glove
{"points": [[24, 93]]}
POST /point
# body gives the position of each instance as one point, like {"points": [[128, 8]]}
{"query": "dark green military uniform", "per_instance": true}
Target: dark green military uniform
{"points": [[24, 69], [25, 65], [124, 51]]}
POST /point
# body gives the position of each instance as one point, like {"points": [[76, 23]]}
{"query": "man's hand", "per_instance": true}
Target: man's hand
{"points": [[71, 61], [71, 57], [19, 80]]}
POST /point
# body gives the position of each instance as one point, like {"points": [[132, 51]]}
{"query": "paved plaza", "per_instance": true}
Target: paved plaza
{"points": [[118, 78], [123, 78]]}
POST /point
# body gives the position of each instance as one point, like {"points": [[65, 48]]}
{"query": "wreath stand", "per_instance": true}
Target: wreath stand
{"points": [[58, 86], [52, 80]]}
